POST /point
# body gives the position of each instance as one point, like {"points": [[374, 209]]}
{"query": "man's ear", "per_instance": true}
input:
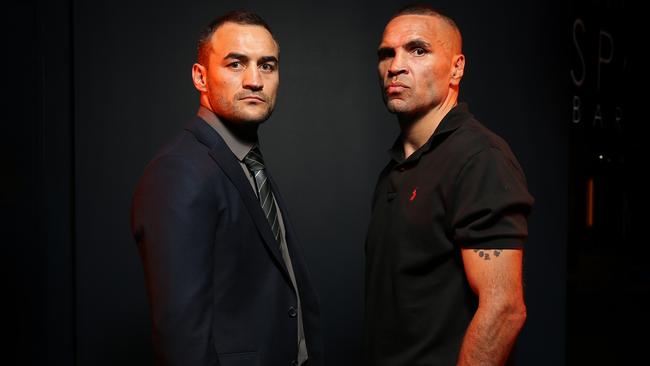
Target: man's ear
{"points": [[457, 69], [200, 77]]}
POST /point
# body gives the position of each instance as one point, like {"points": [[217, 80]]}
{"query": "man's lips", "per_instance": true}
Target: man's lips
{"points": [[395, 87], [253, 98]]}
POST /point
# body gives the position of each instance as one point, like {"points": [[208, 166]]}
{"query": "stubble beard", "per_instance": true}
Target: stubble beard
{"points": [[236, 111], [399, 106], [244, 114]]}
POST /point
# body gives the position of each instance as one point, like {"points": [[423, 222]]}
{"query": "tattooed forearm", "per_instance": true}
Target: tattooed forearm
{"points": [[485, 254]]}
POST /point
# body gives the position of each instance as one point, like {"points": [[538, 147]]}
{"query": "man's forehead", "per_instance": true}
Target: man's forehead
{"points": [[405, 28], [243, 38]]}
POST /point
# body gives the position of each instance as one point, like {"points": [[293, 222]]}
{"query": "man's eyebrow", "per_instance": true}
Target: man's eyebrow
{"points": [[417, 43], [265, 59], [236, 56], [385, 52]]}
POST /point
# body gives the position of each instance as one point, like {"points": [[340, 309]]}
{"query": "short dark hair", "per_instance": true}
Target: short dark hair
{"points": [[241, 17], [426, 9]]}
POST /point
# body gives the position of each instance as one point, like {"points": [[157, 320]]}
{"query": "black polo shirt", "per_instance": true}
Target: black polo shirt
{"points": [[462, 189]]}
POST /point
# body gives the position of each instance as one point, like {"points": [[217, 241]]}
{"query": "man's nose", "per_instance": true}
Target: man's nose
{"points": [[397, 65], [253, 79]]}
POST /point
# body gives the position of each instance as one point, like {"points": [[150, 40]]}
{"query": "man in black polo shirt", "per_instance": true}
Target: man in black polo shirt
{"points": [[444, 246]]}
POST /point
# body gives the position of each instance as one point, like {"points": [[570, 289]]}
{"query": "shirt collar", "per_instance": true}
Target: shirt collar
{"points": [[240, 147], [449, 123]]}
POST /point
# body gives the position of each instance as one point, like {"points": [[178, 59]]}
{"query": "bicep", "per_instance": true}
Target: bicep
{"points": [[494, 273]]}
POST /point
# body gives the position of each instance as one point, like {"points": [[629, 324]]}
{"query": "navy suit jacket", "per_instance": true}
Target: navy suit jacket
{"points": [[219, 291]]}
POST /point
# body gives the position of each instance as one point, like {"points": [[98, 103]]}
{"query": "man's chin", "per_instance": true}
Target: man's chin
{"points": [[398, 107], [254, 118]]}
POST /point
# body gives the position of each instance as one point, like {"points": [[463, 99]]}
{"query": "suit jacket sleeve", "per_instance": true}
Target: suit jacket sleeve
{"points": [[173, 221]]}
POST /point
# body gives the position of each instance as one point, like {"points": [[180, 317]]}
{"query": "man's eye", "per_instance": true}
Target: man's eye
{"points": [[235, 65], [267, 67], [419, 51]]}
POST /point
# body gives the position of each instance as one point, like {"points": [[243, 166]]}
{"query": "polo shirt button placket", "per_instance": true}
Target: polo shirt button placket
{"points": [[292, 312]]}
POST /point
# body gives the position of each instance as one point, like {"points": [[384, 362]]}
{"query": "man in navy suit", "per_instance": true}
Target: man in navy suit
{"points": [[226, 279]]}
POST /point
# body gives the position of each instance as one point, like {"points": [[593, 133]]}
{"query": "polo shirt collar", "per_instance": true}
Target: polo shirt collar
{"points": [[449, 123]]}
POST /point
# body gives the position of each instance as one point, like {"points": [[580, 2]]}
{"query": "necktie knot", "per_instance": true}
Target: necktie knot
{"points": [[254, 160]]}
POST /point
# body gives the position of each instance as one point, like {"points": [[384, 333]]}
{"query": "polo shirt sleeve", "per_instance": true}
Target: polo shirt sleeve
{"points": [[490, 202]]}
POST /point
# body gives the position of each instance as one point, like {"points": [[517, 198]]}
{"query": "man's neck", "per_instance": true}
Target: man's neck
{"points": [[245, 132], [417, 130]]}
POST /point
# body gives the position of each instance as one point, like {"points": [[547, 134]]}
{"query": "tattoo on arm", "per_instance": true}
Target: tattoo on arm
{"points": [[486, 255]]}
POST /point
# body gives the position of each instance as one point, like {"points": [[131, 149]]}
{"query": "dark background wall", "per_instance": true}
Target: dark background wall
{"points": [[110, 82], [608, 277]]}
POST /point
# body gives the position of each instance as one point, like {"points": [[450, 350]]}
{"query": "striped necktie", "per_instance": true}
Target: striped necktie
{"points": [[255, 164]]}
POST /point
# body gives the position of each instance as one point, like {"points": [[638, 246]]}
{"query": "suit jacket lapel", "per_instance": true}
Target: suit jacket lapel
{"points": [[295, 252], [222, 155]]}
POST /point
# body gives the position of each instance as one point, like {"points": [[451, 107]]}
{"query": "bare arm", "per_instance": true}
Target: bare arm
{"points": [[496, 278]]}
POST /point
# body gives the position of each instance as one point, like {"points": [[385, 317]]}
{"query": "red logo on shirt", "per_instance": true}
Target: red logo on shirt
{"points": [[415, 193]]}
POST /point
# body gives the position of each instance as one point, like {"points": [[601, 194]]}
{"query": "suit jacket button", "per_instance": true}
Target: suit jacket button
{"points": [[292, 312]]}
